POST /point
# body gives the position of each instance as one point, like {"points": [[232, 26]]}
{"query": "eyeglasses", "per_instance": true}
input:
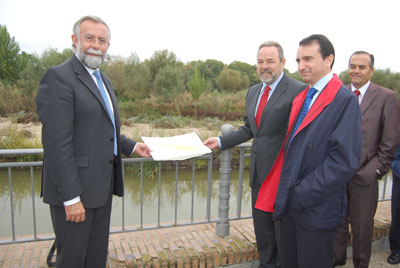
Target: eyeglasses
{"points": [[92, 39]]}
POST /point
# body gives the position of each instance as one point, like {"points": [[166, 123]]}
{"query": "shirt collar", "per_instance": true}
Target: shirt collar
{"points": [[90, 70], [362, 89], [321, 84]]}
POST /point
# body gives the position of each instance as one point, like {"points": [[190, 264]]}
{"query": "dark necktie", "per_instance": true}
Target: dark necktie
{"points": [[306, 106], [108, 104], [262, 104]]}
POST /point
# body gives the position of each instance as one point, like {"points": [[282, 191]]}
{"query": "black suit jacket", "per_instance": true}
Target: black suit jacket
{"points": [[78, 136], [268, 138]]}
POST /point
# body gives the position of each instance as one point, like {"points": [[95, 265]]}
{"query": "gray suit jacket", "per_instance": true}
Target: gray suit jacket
{"points": [[268, 138], [380, 112], [78, 137]]}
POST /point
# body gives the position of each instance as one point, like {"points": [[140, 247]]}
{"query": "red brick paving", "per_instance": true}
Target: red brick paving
{"points": [[182, 247]]}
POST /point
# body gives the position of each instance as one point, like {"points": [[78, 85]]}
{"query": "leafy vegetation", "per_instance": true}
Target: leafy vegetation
{"points": [[161, 86]]}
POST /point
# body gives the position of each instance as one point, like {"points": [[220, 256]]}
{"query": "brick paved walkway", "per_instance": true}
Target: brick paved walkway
{"points": [[181, 247]]}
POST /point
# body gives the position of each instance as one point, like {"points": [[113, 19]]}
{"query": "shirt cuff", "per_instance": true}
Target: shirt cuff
{"points": [[134, 148], [72, 201], [219, 142]]}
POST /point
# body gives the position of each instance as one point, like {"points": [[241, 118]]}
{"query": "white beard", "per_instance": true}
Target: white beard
{"points": [[92, 62]]}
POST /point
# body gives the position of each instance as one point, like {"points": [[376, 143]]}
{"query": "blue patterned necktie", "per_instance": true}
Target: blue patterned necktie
{"points": [[108, 105], [310, 94]]}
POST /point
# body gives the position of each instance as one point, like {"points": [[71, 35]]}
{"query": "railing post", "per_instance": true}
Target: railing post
{"points": [[222, 227]]}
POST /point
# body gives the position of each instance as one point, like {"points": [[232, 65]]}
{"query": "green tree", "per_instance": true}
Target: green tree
{"points": [[196, 88], [231, 81], [11, 62], [296, 75], [161, 59], [210, 69], [246, 69], [169, 83], [131, 79]]}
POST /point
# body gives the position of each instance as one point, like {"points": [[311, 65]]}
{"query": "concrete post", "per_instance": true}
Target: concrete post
{"points": [[222, 227]]}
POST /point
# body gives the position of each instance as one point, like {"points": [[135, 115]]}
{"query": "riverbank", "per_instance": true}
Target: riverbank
{"points": [[204, 128]]}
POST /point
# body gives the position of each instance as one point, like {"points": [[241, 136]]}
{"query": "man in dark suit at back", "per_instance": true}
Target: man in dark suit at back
{"points": [[268, 106], [380, 111], [82, 148]]}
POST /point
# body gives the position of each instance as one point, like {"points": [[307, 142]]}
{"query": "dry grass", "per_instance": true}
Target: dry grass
{"points": [[205, 129]]}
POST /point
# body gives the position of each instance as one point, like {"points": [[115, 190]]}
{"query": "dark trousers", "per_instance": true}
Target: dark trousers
{"points": [[394, 235], [301, 246], [83, 244], [362, 204], [265, 233]]}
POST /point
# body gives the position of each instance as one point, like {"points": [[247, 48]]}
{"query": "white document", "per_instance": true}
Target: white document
{"points": [[177, 147]]}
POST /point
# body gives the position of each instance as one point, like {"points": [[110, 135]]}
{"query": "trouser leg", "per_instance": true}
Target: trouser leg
{"points": [[394, 235], [265, 234]]}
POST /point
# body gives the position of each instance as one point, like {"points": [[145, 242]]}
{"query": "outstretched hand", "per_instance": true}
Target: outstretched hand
{"points": [[142, 149], [211, 143]]}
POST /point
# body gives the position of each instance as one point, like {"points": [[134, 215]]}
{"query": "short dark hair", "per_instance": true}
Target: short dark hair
{"points": [[325, 46], [371, 57]]}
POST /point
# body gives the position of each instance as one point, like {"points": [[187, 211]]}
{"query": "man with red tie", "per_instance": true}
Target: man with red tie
{"points": [[268, 106], [380, 111], [321, 153]]}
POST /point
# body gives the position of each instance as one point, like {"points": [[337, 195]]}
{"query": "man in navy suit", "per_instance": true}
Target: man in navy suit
{"points": [[321, 153], [82, 148]]}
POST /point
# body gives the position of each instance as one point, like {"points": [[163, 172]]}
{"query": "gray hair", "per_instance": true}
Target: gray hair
{"points": [[273, 44], [77, 25]]}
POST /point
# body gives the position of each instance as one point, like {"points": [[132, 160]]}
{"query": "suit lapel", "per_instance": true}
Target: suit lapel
{"points": [[324, 99], [279, 90], [252, 106], [112, 97], [370, 95], [84, 76]]}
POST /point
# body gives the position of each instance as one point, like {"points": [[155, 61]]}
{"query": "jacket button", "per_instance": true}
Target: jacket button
{"points": [[112, 139], [110, 162]]}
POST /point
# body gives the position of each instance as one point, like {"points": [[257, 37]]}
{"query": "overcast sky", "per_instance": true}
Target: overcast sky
{"points": [[225, 30]]}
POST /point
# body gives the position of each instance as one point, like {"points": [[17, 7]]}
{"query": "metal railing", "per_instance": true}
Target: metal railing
{"points": [[223, 206], [222, 221]]}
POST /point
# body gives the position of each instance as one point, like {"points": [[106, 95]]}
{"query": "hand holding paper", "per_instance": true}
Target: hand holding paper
{"points": [[177, 147]]}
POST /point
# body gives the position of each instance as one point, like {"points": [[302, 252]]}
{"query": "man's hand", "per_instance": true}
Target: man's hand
{"points": [[211, 143], [142, 149], [75, 212]]}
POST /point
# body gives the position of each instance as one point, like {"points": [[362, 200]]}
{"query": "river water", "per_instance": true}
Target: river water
{"points": [[23, 212]]}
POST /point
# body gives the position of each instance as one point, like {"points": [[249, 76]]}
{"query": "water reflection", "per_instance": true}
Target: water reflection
{"points": [[23, 212]]}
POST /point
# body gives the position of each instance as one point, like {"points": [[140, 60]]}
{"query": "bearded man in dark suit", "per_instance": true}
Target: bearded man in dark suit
{"points": [[268, 105], [82, 147]]}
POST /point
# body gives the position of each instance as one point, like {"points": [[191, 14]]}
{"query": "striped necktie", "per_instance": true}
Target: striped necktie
{"points": [[306, 106], [108, 105]]}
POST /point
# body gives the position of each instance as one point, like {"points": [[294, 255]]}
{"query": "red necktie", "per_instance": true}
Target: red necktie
{"points": [[261, 105], [357, 92]]}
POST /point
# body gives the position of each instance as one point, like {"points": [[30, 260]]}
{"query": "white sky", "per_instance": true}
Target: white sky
{"points": [[225, 30]]}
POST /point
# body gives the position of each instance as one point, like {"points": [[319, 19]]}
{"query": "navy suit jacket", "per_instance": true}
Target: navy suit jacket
{"points": [[78, 137], [322, 157]]}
